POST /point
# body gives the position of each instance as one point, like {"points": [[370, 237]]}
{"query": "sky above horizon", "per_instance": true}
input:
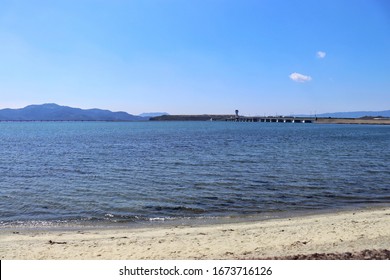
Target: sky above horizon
{"points": [[197, 57]]}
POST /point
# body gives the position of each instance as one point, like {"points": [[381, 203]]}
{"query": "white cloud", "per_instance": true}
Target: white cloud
{"points": [[321, 54], [299, 77]]}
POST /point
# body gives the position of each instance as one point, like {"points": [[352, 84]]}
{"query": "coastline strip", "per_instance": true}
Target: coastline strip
{"points": [[340, 232]]}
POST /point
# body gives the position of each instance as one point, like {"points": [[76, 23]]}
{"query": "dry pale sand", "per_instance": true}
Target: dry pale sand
{"points": [[349, 231]]}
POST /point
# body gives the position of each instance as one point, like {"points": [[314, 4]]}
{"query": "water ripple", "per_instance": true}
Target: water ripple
{"points": [[130, 172]]}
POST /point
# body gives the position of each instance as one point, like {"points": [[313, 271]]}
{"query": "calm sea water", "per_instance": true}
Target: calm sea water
{"points": [[105, 172]]}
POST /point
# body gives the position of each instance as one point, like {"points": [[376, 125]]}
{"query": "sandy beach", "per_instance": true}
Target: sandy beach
{"points": [[348, 231]]}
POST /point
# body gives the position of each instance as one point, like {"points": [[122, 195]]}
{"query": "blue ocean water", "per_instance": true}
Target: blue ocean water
{"points": [[129, 172]]}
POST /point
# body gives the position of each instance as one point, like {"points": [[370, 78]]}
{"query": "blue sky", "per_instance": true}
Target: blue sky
{"points": [[196, 57]]}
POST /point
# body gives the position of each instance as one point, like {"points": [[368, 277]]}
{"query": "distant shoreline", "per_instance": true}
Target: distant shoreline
{"points": [[208, 117], [384, 121], [221, 118]]}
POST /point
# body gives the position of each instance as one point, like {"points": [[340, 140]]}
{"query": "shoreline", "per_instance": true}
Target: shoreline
{"points": [[180, 221], [320, 233], [223, 118]]}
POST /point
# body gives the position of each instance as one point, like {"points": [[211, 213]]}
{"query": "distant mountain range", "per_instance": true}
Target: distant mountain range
{"points": [[358, 114], [54, 112]]}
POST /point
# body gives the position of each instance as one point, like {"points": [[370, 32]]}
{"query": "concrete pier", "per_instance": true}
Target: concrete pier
{"points": [[270, 119]]}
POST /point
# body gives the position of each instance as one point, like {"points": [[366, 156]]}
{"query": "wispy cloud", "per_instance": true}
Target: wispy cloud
{"points": [[299, 77], [321, 54]]}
